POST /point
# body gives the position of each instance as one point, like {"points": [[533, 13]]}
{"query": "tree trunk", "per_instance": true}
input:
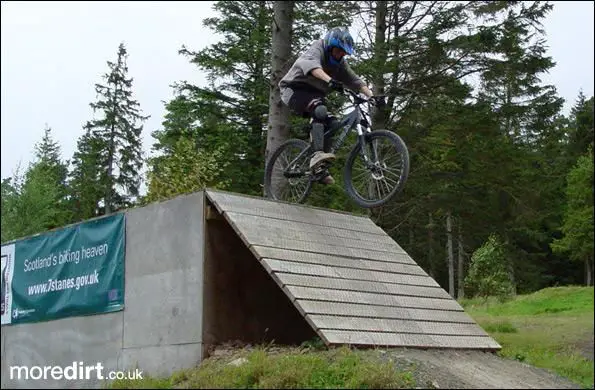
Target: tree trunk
{"points": [[451, 260], [431, 246], [380, 56], [588, 272], [461, 264], [510, 264], [282, 28], [110, 161], [111, 150]]}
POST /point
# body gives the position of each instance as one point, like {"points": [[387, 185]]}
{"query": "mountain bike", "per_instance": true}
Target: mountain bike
{"points": [[288, 176]]}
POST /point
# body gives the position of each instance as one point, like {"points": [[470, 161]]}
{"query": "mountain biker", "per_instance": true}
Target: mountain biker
{"points": [[318, 70]]}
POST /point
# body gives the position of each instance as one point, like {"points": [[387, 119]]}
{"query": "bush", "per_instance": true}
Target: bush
{"points": [[488, 271]]}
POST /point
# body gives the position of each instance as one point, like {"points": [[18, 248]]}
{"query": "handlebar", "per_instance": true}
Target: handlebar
{"points": [[357, 99]]}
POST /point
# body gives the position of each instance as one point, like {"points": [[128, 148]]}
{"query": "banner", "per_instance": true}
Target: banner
{"points": [[78, 270]]}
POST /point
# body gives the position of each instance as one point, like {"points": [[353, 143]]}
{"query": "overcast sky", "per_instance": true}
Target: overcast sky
{"points": [[54, 52]]}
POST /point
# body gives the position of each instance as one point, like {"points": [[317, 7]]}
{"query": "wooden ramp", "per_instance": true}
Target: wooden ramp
{"points": [[347, 277]]}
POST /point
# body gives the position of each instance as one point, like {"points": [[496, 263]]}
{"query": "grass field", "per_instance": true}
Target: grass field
{"points": [[551, 329]]}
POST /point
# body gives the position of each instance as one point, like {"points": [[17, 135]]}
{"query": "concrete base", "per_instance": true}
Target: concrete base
{"points": [[159, 330], [89, 339]]}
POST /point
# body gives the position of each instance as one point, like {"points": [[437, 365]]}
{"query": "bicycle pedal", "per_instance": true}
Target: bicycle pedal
{"points": [[319, 169]]}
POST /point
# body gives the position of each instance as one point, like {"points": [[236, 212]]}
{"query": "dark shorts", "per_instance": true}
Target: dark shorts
{"points": [[302, 100]]}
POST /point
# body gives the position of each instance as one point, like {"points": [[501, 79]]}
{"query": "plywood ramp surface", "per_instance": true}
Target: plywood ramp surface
{"points": [[349, 279]]}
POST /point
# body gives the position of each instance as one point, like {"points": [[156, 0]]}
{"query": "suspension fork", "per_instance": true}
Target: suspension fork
{"points": [[361, 134]]}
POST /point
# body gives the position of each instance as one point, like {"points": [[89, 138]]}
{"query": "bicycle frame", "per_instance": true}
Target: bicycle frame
{"points": [[355, 119], [352, 120]]}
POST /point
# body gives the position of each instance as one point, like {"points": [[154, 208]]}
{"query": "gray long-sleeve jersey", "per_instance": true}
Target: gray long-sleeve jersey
{"points": [[313, 58]]}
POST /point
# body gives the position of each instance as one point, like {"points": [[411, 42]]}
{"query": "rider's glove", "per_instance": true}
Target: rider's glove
{"points": [[378, 101], [335, 85]]}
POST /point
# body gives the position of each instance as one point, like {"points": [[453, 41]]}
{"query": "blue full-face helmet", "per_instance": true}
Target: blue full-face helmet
{"points": [[340, 38]]}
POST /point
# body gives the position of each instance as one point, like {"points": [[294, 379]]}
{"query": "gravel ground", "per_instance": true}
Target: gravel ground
{"points": [[474, 370]]}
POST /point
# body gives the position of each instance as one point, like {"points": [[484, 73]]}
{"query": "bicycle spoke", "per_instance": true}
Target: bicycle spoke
{"points": [[292, 188], [383, 175]]}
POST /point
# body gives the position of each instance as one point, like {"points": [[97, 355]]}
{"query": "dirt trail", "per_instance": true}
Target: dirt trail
{"points": [[474, 370]]}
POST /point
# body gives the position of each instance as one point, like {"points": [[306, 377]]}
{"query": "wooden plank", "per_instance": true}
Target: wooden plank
{"points": [[394, 325], [348, 273], [316, 247], [409, 340], [291, 212], [372, 299], [396, 266], [280, 224], [260, 231], [362, 285], [372, 311], [308, 241]]}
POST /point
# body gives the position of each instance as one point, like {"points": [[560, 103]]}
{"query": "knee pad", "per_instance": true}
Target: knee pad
{"points": [[320, 113]]}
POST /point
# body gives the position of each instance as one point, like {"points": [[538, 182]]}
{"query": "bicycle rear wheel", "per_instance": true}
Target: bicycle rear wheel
{"points": [[287, 178], [374, 182]]}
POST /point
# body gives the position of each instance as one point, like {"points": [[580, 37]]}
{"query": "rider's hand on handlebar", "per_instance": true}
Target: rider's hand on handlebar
{"points": [[335, 85], [378, 100]]}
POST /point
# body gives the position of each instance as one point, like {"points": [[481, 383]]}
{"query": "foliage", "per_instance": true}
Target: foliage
{"points": [[488, 271], [578, 227], [186, 170], [107, 164], [37, 200]]}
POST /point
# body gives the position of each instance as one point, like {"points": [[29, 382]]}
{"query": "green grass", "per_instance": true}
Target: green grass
{"points": [[335, 368], [543, 329]]}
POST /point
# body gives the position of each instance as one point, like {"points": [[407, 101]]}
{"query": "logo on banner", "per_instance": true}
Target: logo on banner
{"points": [[7, 267]]}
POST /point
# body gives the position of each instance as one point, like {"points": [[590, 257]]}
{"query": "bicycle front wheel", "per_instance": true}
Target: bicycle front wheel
{"points": [[287, 177], [377, 173]]}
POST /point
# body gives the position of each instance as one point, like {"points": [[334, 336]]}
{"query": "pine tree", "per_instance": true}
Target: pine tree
{"points": [[581, 126], [11, 223], [577, 239], [53, 169], [36, 201], [84, 185], [109, 160]]}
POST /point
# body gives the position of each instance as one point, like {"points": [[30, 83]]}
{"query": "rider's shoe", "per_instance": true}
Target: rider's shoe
{"points": [[320, 157]]}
